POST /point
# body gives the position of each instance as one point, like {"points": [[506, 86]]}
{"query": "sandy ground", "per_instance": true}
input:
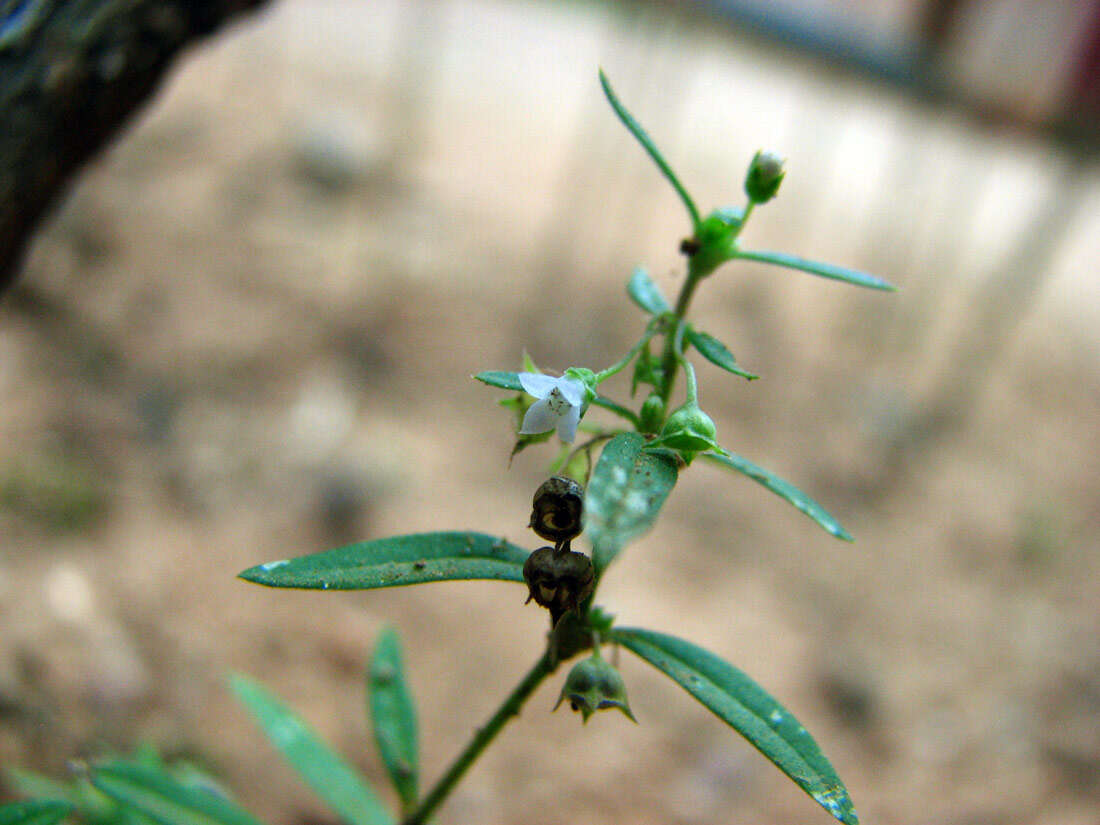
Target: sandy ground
{"points": [[248, 334]]}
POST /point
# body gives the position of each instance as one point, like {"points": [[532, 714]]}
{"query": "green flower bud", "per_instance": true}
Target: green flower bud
{"points": [[587, 378], [594, 685], [715, 241], [652, 414], [689, 429], [764, 176]]}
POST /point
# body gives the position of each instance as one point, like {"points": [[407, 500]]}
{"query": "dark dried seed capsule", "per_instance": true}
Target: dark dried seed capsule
{"points": [[558, 510], [558, 581]]}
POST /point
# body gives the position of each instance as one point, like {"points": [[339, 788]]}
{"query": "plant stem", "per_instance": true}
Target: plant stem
{"points": [[509, 708], [745, 214], [617, 367], [673, 351], [670, 358]]}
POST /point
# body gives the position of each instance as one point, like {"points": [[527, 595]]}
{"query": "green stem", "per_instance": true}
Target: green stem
{"points": [[562, 463], [670, 358], [673, 352], [509, 708], [618, 366]]}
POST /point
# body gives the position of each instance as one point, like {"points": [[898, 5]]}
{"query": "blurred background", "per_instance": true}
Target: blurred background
{"points": [[248, 333]]}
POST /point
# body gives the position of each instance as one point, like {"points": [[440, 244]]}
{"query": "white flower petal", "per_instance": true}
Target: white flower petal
{"points": [[539, 419], [537, 385], [567, 424], [572, 389]]}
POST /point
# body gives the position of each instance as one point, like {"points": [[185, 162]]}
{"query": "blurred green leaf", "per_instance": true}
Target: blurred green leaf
{"points": [[63, 491], [836, 273], [628, 487], [716, 352], [747, 708], [525, 441], [646, 293], [393, 713], [500, 379], [647, 370], [34, 812], [397, 561], [90, 805], [783, 489], [330, 777], [654, 153], [35, 785], [165, 800]]}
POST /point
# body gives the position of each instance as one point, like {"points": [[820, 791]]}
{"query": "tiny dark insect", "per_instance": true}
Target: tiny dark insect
{"points": [[419, 565], [689, 246]]}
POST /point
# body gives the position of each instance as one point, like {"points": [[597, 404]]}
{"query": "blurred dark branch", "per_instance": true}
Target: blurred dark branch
{"points": [[72, 72]]}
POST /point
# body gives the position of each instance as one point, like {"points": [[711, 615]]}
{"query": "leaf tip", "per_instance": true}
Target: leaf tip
{"points": [[881, 284], [252, 575], [836, 801]]}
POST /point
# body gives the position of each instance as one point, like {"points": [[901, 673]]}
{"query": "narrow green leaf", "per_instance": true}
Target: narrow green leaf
{"points": [[165, 800], [615, 407], [35, 812], [397, 561], [628, 487], [746, 707], [646, 294], [90, 805], [326, 773], [783, 489], [836, 273], [716, 352], [501, 379], [393, 714], [639, 133], [35, 785]]}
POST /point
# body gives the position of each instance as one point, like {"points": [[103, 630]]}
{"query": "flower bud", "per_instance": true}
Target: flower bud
{"points": [[586, 377], [652, 413], [558, 510], [714, 242], [594, 685], [689, 429], [558, 580], [764, 176]]}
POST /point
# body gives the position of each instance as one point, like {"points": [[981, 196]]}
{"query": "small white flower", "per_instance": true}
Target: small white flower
{"points": [[559, 405]]}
